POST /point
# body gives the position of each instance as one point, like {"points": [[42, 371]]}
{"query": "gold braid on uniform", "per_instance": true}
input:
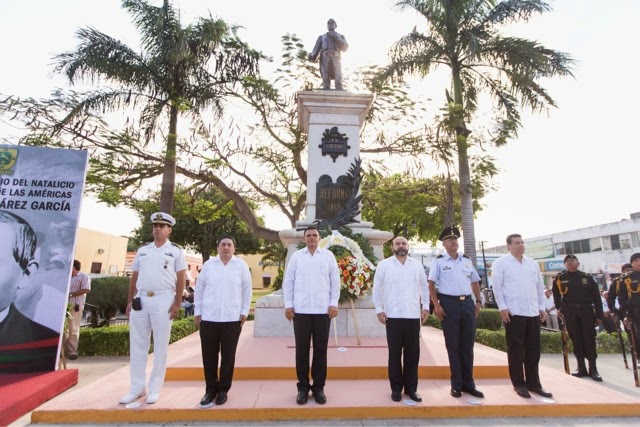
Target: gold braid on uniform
{"points": [[561, 289], [630, 290]]}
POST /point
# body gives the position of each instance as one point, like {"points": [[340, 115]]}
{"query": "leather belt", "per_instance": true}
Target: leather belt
{"points": [[455, 297], [154, 293]]}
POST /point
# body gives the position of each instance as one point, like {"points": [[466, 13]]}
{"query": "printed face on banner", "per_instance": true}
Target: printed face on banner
{"points": [[40, 194]]}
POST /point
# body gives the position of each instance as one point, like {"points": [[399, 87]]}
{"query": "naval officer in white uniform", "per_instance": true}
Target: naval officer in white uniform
{"points": [[155, 296]]}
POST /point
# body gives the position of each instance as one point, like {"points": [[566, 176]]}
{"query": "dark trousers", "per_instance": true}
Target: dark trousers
{"points": [[459, 328], [523, 347], [403, 335], [581, 327], [219, 338], [308, 327]]}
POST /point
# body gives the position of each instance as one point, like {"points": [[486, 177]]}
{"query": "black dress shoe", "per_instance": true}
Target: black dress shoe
{"points": [[302, 398], [207, 400], [522, 392], [414, 396], [396, 396], [320, 397], [474, 392], [580, 373], [222, 398], [456, 393], [593, 373], [73, 356], [540, 391]]}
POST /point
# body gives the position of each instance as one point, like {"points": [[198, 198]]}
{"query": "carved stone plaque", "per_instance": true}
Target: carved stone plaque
{"points": [[334, 143], [331, 197]]}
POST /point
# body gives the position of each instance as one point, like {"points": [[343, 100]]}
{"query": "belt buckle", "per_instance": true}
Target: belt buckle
{"points": [[462, 297], [150, 293]]}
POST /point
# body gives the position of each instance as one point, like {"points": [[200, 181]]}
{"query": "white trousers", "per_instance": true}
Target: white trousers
{"points": [[154, 316]]}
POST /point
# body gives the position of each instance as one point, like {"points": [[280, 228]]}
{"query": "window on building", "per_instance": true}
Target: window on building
{"points": [[96, 267], [595, 244], [606, 243], [615, 242], [635, 239], [625, 241], [568, 247], [585, 248], [560, 249]]}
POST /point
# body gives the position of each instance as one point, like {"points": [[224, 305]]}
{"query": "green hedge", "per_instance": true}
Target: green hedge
{"points": [[488, 318], [114, 340], [550, 342]]}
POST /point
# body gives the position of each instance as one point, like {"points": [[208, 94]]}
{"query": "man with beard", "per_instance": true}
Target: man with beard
{"points": [[401, 299], [457, 280]]}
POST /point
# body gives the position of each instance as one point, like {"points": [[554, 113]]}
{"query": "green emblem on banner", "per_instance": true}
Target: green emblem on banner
{"points": [[8, 157]]}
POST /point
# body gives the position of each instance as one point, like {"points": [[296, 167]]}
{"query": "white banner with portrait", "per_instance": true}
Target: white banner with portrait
{"points": [[40, 195]]}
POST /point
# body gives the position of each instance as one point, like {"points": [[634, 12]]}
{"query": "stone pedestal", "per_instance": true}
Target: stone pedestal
{"points": [[270, 320], [319, 112]]}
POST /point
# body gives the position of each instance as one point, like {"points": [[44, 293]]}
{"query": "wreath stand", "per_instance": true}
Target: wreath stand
{"points": [[355, 324]]}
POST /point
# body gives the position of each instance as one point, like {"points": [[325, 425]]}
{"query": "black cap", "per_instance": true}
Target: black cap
{"points": [[634, 257], [451, 231], [570, 256], [625, 266]]}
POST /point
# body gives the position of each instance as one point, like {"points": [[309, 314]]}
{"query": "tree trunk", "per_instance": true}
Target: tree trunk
{"points": [[169, 169], [464, 174]]}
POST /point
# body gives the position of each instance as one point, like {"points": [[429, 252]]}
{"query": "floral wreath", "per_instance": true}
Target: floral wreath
{"points": [[356, 271]]}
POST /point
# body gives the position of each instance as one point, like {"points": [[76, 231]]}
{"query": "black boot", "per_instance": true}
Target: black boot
{"points": [[582, 370], [593, 371]]}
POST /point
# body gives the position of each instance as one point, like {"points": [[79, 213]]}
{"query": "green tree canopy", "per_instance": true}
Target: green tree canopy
{"points": [[180, 72], [411, 207], [201, 218], [465, 37]]}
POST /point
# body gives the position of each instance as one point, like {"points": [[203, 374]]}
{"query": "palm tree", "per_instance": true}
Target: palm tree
{"points": [[180, 71], [464, 36]]}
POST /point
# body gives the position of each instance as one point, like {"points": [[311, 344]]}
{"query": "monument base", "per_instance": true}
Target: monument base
{"points": [[270, 320]]}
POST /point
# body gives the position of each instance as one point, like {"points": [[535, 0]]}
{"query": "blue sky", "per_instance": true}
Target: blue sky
{"points": [[573, 167]]}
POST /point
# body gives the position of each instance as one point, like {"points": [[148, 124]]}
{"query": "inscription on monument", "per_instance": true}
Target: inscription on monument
{"points": [[334, 143], [330, 196]]}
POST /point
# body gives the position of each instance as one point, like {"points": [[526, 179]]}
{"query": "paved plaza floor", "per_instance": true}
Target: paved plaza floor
{"points": [[616, 378]]}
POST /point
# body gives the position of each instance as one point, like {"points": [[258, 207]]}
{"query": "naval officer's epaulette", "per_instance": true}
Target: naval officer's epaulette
{"points": [[440, 256], [176, 245], [464, 256], [562, 273], [585, 274]]}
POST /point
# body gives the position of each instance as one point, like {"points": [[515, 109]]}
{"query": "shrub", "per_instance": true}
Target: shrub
{"points": [[110, 294], [489, 318], [114, 340], [277, 282], [493, 339]]}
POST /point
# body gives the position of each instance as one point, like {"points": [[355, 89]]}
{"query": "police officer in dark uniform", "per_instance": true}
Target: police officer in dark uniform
{"points": [[629, 295], [576, 295], [454, 306]]}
